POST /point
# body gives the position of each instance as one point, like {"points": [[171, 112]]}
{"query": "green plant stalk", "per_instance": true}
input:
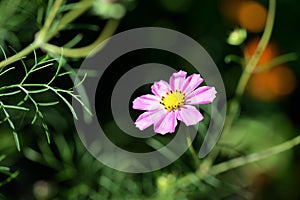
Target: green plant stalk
{"points": [[49, 20], [43, 36], [192, 150], [237, 162], [108, 30], [20, 55], [70, 17], [39, 40], [277, 61], [194, 178], [249, 69]]}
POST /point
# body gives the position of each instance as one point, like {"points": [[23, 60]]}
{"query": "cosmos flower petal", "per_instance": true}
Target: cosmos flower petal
{"points": [[160, 88], [166, 124], [202, 95], [189, 115], [146, 102], [148, 118], [191, 82], [177, 80]]}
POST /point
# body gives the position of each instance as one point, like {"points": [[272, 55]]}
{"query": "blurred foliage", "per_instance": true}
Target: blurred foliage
{"points": [[69, 159], [6, 172], [229, 30], [13, 17]]}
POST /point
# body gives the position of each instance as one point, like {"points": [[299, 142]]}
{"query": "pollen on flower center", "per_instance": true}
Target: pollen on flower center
{"points": [[172, 100]]}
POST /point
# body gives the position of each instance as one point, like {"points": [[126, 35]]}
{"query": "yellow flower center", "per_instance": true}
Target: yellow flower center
{"points": [[172, 100]]}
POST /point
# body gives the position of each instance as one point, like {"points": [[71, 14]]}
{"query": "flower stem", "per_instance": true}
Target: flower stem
{"points": [[192, 150], [234, 107], [277, 61], [39, 40], [27, 50], [193, 178], [49, 20], [45, 33], [69, 17], [108, 30], [237, 162]]}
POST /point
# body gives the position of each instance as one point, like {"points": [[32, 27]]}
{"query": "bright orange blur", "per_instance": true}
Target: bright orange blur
{"points": [[252, 16], [270, 52], [272, 84]]}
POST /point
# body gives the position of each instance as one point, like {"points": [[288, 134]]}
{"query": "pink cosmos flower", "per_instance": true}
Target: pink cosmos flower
{"points": [[172, 101]]}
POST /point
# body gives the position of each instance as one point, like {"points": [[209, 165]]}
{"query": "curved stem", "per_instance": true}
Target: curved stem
{"points": [[248, 70], [234, 107], [277, 61], [43, 36], [108, 30], [27, 50], [237, 162], [193, 178]]}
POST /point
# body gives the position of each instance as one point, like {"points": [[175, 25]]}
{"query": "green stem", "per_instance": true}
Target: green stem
{"points": [[277, 61], [237, 162], [69, 17], [43, 36], [49, 21], [191, 179], [234, 107], [108, 30], [192, 150], [234, 58], [27, 50]]}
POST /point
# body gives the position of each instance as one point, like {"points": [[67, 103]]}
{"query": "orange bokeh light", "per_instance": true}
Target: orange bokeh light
{"points": [[252, 16], [271, 51], [272, 84]]}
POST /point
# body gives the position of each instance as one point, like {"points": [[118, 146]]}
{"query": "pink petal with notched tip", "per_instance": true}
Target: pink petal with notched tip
{"points": [[202, 95], [146, 102], [191, 82], [166, 124], [177, 80], [189, 115]]}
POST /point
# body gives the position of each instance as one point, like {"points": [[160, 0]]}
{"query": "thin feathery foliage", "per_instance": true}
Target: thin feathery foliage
{"points": [[27, 94]]}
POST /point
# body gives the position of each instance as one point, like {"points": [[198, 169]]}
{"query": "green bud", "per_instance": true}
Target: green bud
{"points": [[237, 36]]}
